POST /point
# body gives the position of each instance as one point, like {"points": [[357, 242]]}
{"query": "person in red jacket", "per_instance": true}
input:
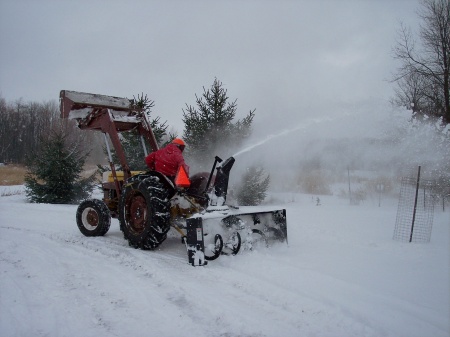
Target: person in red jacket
{"points": [[168, 159]]}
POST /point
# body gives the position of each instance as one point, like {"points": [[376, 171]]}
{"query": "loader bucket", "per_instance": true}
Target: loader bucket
{"points": [[74, 104]]}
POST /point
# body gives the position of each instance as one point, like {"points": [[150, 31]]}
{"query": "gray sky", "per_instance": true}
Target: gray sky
{"points": [[286, 59]]}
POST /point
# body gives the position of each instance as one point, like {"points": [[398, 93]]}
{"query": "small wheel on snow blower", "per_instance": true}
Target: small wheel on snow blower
{"points": [[93, 218], [233, 244], [215, 248], [258, 239]]}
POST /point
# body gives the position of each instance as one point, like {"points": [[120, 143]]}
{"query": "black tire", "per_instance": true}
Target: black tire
{"points": [[233, 245], [216, 249], [93, 218], [144, 212]]}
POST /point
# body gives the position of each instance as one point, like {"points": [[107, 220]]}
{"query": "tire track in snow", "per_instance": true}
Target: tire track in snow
{"points": [[108, 254], [154, 267], [186, 297]]}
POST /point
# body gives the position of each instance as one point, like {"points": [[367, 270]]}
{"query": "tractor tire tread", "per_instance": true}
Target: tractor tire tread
{"points": [[158, 222]]}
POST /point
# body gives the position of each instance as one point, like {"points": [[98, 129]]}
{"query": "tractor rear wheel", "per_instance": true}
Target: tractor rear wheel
{"points": [[93, 218], [144, 212]]}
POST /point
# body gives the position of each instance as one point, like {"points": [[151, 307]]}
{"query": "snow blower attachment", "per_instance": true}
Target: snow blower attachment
{"points": [[148, 204], [225, 230]]}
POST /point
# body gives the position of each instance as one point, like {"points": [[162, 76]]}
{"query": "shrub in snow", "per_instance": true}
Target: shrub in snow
{"points": [[253, 188], [314, 182], [54, 173]]}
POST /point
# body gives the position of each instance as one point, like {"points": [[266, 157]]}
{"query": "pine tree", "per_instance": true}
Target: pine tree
{"points": [[253, 187], [54, 173], [209, 128]]}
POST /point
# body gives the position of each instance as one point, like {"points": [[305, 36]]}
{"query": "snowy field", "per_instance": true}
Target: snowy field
{"points": [[341, 275]]}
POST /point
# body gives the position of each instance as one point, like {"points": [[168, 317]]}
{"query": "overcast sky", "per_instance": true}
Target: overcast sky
{"points": [[286, 59]]}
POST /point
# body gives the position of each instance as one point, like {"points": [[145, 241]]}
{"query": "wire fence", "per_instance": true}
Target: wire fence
{"points": [[415, 210]]}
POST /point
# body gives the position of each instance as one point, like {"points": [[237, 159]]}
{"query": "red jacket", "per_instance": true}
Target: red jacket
{"points": [[166, 160]]}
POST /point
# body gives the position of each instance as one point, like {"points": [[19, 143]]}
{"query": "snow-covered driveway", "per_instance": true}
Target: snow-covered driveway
{"points": [[341, 275]]}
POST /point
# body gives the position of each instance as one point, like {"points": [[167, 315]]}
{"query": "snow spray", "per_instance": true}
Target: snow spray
{"points": [[285, 132]]}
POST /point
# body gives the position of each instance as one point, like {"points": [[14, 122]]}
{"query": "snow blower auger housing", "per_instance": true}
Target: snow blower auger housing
{"points": [[148, 204]]}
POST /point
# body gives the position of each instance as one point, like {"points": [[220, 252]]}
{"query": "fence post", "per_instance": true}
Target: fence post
{"points": [[415, 206]]}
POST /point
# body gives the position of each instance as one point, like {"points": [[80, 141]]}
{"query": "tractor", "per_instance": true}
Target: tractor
{"points": [[148, 204]]}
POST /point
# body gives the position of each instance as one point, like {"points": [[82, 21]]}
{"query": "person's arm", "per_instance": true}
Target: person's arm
{"points": [[181, 162]]}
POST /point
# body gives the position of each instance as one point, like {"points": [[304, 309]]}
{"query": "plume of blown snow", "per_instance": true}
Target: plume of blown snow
{"points": [[366, 137]]}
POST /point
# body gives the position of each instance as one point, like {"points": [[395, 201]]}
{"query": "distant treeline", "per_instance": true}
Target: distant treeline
{"points": [[24, 124]]}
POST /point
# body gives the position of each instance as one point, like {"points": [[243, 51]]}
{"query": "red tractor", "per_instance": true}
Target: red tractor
{"points": [[148, 204]]}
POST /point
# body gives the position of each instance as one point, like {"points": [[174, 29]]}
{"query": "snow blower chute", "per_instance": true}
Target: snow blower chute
{"points": [[148, 204]]}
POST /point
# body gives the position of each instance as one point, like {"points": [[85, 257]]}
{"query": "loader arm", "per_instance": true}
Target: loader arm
{"points": [[108, 114]]}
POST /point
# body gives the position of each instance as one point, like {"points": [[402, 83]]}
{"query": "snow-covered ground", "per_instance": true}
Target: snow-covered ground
{"points": [[341, 275]]}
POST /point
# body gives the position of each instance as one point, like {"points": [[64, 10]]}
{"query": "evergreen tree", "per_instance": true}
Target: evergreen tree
{"points": [[209, 128], [253, 187], [145, 105], [54, 173]]}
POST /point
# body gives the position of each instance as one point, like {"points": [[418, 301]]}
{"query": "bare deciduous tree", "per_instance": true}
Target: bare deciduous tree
{"points": [[423, 77], [24, 125]]}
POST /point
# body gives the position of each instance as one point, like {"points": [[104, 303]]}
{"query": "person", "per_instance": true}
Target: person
{"points": [[168, 159]]}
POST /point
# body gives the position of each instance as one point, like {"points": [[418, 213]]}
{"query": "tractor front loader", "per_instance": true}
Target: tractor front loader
{"points": [[148, 203]]}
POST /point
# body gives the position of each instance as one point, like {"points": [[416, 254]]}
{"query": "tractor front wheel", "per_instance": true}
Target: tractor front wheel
{"points": [[93, 218]]}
